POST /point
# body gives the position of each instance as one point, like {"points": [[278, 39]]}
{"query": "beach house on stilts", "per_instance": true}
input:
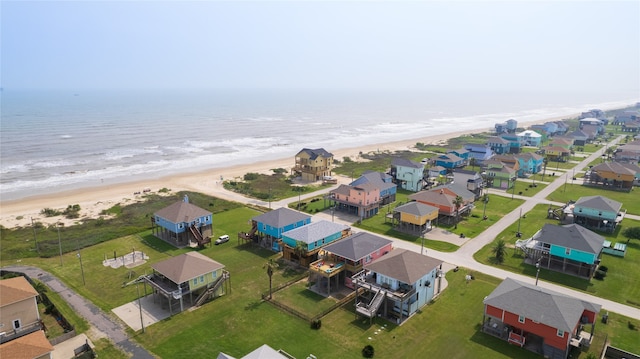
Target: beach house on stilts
{"points": [[183, 224]]}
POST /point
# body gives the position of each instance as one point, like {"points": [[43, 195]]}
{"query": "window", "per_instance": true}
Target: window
{"points": [[180, 225], [567, 251], [17, 324], [560, 333], [195, 281], [521, 319], [201, 279]]}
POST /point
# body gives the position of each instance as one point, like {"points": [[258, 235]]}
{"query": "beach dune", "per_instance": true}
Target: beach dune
{"points": [[93, 200]]}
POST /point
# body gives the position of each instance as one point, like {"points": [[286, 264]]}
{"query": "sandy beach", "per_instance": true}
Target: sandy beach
{"points": [[19, 213]]}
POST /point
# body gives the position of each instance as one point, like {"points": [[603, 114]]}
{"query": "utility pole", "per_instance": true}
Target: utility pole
{"points": [[59, 241], [140, 306], [35, 239], [81, 268]]}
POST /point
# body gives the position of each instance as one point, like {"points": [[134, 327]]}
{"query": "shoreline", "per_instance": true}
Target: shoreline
{"points": [[94, 199]]}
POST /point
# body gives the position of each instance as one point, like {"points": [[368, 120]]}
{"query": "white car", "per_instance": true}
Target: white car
{"points": [[222, 239]]}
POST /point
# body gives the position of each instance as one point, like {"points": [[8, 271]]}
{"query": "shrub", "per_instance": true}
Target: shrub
{"points": [[164, 190], [316, 324], [49, 212], [599, 275], [367, 351], [251, 176], [603, 268], [631, 326]]}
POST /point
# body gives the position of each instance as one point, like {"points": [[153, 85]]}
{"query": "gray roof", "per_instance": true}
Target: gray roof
{"points": [[182, 268], [416, 208], [398, 161], [599, 203], [357, 246], [571, 236], [314, 153], [377, 179], [404, 265], [538, 304], [458, 188], [182, 211], [316, 231], [281, 217], [263, 352], [617, 167]]}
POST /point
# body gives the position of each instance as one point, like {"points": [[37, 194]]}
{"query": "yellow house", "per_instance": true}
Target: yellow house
{"points": [[190, 276], [21, 332], [414, 217], [313, 164]]}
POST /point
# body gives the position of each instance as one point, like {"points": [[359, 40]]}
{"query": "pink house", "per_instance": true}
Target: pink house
{"points": [[344, 258], [362, 200]]}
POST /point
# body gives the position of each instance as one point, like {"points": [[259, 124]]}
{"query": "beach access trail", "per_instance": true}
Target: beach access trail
{"points": [[463, 257]]}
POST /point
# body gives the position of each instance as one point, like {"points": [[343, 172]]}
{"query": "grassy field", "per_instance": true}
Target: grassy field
{"points": [[527, 189], [447, 328], [239, 322], [575, 191], [622, 283]]}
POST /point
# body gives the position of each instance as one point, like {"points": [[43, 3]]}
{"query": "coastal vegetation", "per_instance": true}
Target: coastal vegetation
{"points": [[118, 221], [268, 187]]}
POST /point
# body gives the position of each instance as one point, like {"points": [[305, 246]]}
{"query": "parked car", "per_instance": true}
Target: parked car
{"points": [[222, 239]]}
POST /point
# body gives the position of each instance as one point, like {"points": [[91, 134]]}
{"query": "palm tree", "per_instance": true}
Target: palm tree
{"points": [[271, 265], [545, 161], [609, 151], [499, 250], [485, 200], [472, 163], [458, 201], [301, 249]]}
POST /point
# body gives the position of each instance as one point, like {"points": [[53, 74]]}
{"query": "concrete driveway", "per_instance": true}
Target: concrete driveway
{"points": [[152, 312]]}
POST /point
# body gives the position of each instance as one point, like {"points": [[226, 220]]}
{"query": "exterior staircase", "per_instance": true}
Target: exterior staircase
{"points": [[198, 236], [369, 310], [210, 292]]}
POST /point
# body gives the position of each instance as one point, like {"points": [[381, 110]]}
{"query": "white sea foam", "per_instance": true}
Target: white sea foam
{"points": [[111, 138]]}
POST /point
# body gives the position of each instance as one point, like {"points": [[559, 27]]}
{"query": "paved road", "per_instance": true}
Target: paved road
{"points": [[94, 315], [463, 257]]}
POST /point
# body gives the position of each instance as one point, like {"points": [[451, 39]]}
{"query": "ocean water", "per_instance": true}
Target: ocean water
{"points": [[52, 141]]}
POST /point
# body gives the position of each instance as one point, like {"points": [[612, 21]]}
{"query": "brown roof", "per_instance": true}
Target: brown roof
{"points": [[182, 268], [433, 197], [182, 211], [616, 167], [29, 346], [14, 290], [404, 265]]}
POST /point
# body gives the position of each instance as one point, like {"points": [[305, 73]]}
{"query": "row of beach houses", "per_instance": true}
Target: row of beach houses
{"points": [[389, 282]]}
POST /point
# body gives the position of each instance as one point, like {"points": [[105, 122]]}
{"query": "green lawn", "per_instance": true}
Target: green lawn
{"points": [[622, 283], [527, 189], [575, 191], [471, 225]]}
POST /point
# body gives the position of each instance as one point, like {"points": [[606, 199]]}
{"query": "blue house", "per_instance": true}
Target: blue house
{"points": [[381, 180], [499, 145], [408, 174], [183, 223], [569, 249], [311, 238], [515, 142], [530, 163], [462, 153], [398, 284], [449, 161], [479, 152], [270, 226], [598, 212]]}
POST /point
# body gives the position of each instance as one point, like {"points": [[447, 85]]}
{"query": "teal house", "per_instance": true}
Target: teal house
{"points": [[302, 244], [407, 174], [270, 226], [598, 212], [570, 249]]}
